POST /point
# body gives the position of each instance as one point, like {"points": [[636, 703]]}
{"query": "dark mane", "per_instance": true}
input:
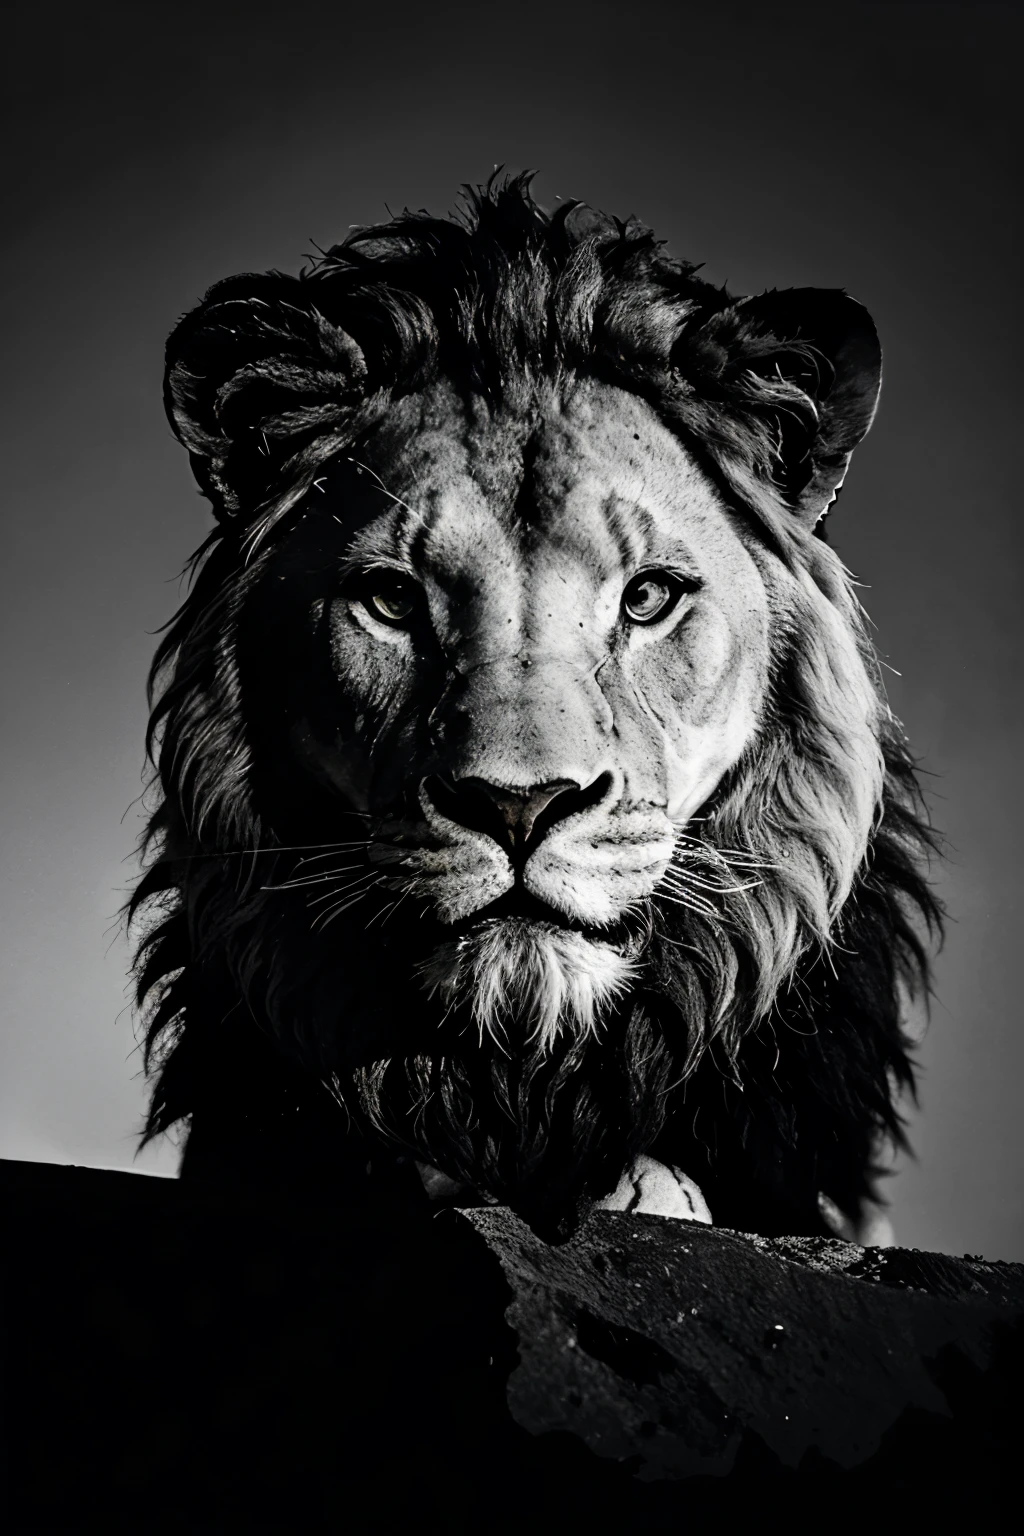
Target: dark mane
{"points": [[268, 382]]}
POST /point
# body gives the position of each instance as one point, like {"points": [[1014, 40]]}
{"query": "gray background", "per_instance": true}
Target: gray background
{"points": [[152, 150]]}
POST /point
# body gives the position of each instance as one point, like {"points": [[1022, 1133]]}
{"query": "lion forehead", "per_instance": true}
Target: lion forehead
{"points": [[590, 479]]}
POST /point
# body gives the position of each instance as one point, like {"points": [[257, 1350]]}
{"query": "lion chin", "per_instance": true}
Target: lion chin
{"points": [[510, 972]]}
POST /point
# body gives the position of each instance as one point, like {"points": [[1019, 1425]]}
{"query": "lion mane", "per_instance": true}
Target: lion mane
{"points": [[744, 1021]]}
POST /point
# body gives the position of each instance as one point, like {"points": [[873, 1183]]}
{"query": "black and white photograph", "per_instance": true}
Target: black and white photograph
{"points": [[511, 766]]}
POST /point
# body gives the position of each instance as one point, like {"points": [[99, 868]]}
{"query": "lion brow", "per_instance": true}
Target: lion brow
{"points": [[631, 526]]}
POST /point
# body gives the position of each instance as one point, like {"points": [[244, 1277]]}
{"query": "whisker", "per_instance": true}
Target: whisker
{"points": [[396, 499], [398, 903], [314, 858], [687, 881], [386, 909], [682, 888], [245, 853], [712, 850], [703, 854], [666, 938], [709, 885], [332, 874], [350, 885], [692, 906], [352, 901], [322, 918]]}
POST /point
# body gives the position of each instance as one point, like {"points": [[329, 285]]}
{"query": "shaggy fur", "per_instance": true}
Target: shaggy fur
{"points": [[746, 1024], [541, 978]]}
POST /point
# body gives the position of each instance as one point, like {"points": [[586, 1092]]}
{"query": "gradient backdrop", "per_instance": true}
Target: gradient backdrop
{"points": [[152, 150]]}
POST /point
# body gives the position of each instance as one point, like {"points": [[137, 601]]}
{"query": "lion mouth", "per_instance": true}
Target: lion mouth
{"points": [[517, 904]]}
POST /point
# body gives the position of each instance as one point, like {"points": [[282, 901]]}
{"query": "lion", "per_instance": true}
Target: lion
{"points": [[530, 816]]}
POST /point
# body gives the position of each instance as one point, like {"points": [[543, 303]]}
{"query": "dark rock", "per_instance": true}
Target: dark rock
{"points": [[218, 1357], [670, 1342]]}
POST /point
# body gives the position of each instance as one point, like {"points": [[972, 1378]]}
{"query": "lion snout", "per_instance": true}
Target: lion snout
{"points": [[517, 819], [577, 852]]}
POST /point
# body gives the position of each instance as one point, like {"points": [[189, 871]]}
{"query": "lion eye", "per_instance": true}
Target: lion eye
{"points": [[390, 597], [651, 595]]}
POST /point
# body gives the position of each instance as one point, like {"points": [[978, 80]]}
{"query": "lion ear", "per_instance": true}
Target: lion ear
{"points": [[804, 366], [258, 383]]}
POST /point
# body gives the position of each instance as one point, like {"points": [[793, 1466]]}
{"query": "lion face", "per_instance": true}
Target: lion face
{"points": [[549, 643]]}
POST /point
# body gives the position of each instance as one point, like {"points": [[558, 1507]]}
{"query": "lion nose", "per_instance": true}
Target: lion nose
{"points": [[520, 810], [514, 817]]}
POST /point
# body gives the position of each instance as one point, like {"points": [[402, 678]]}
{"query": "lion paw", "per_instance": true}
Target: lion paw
{"points": [[651, 1189]]}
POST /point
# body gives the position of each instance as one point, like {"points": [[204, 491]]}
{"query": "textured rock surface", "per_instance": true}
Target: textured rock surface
{"points": [[669, 1341], [218, 1358]]}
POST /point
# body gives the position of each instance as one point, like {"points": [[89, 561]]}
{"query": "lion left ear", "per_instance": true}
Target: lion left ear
{"points": [[257, 384], [802, 365]]}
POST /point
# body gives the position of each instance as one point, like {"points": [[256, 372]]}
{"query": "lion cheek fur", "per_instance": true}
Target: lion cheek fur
{"points": [[595, 881], [464, 872]]}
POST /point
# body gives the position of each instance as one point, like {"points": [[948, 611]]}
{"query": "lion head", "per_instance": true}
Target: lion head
{"points": [[525, 772]]}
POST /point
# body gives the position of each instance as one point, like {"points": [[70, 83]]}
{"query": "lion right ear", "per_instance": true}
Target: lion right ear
{"points": [[802, 368], [257, 384]]}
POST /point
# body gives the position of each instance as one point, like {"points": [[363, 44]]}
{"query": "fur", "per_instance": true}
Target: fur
{"points": [[746, 1023], [543, 979]]}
